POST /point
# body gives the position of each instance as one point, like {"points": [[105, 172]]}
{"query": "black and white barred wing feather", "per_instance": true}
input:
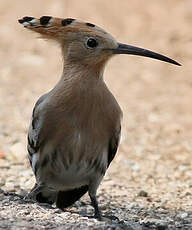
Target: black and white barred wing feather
{"points": [[34, 135]]}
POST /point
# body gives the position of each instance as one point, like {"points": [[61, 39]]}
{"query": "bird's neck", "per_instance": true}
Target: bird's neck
{"points": [[80, 71], [78, 79]]}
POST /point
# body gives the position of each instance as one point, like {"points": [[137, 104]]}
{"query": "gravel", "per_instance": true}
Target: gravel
{"points": [[17, 213]]}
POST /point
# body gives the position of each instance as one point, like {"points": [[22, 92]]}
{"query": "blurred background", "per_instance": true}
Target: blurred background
{"points": [[156, 146]]}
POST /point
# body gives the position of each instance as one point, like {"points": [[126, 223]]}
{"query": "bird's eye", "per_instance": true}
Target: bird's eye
{"points": [[91, 43]]}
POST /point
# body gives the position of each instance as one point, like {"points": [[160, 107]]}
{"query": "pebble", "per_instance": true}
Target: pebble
{"points": [[143, 193], [64, 214], [182, 215]]}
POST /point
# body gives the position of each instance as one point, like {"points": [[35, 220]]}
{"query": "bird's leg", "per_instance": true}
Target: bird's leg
{"points": [[98, 214], [94, 203], [92, 194]]}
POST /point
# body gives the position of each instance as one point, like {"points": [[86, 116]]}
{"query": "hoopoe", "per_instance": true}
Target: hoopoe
{"points": [[75, 128]]}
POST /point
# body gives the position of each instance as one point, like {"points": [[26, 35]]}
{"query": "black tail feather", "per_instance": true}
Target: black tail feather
{"points": [[67, 198], [43, 199], [42, 195]]}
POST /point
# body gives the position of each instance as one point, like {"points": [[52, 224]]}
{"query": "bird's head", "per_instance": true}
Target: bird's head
{"points": [[84, 42]]}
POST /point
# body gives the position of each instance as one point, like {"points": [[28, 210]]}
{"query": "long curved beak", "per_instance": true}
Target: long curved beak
{"points": [[133, 50]]}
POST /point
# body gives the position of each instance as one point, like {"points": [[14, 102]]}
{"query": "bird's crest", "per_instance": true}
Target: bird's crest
{"points": [[52, 27]]}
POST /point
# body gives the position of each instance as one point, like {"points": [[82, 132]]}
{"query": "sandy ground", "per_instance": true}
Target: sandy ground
{"points": [[149, 184]]}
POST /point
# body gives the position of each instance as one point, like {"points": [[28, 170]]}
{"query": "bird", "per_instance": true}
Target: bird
{"points": [[75, 128]]}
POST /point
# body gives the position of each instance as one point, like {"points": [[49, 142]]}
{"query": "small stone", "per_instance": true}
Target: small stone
{"points": [[187, 194], [64, 214], [143, 193], [149, 199], [135, 167], [182, 215]]}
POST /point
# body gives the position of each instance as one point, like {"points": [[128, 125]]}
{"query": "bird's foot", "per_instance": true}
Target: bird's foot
{"points": [[108, 219], [112, 218], [46, 205]]}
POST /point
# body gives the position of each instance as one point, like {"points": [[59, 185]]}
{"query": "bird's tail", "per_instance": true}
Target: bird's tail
{"points": [[63, 199], [45, 198], [67, 198]]}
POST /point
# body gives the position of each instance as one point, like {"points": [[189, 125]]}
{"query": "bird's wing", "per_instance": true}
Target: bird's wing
{"points": [[34, 131], [113, 144], [34, 144]]}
